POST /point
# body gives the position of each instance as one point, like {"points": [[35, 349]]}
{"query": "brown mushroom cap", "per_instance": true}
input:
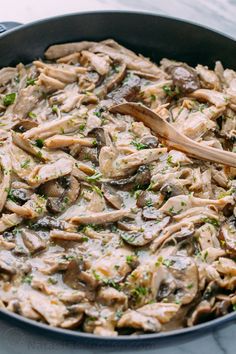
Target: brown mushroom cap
{"points": [[184, 77]]}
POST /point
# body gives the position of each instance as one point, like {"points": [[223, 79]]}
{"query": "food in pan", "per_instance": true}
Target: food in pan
{"points": [[104, 228]]}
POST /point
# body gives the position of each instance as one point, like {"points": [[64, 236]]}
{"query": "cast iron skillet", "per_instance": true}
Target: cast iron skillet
{"points": [[153, 36]]}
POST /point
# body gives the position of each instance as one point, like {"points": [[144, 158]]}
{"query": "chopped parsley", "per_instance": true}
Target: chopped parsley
{"points": [[96, 275], [27, 279], [149, 203], [9, 99], [159, 261], [25, 163], [97, 190], [130, 258], [39, 143], [95, 177], [171, 91], [54, 108], [82, 127], [169, 160], [167, 262], [84, 239], [139, 146], [116, 68], [30, 81], [139, 292], [99, 112], [212, 221], [118, 314], [10, 194], [111, 283], [32, 115], [68, 257], [204, 257], [153, 98], [52, 281]]}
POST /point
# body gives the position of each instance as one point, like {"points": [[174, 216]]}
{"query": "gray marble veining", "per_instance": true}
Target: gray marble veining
{"points": [[218, 14]]}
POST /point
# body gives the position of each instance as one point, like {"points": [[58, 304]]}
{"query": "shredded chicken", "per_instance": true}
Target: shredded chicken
{"points": [[103, 228]]}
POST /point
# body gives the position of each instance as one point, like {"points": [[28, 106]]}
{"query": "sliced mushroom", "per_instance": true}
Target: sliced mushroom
{"points": [[112, 81], [140, 180], [66, 236], [184, 281], [7, 264], [112, 196], [52, 311], [171, 189], [7, 74], [21, 195], [202, 313], [137, 320], [228, 234], [184, 77], [151, 213], [101, 218], [32, 241], [48, 172], [219, 99], [148, 199], [128, 90], [99, 136], [149, 231], [24, 125], [163, 312], [150, 141], [50, 223], [110, 296], [60, 50]]}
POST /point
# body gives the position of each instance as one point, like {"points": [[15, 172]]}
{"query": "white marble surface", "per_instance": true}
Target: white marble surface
{"points": [[217, 14]]}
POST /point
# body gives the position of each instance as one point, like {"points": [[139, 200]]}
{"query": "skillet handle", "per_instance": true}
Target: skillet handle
{"points": [[5, 26]]}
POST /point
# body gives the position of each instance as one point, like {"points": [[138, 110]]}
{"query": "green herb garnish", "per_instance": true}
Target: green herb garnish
{"points": [[96, 275], [9, 99], [139, 291], [39, 143], [95, 177], [97, 190], [25, 163], [130, 258], [27, 279], [169, 91], [139, 146], [30, 81], [52, 281], [111, 283], [10, 194], [32, 115], [212, 221], [54, 108], [82, 127]]}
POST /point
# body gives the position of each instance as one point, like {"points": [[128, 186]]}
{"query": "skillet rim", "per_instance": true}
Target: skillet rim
{"points": [[112, 12], [174, 334]]}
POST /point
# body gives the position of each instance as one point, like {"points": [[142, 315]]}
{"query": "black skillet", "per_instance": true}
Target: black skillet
{"points": [[153, 36]]}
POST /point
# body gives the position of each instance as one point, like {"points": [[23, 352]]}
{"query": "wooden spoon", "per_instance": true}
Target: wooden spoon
{"points": [[172, 137]]}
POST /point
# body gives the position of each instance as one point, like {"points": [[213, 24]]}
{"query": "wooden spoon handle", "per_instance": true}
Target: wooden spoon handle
{"points": [[199, 151], [173, 137]]}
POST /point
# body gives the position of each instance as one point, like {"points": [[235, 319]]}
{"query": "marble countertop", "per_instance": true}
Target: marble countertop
{"points": [[217, 14]]}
